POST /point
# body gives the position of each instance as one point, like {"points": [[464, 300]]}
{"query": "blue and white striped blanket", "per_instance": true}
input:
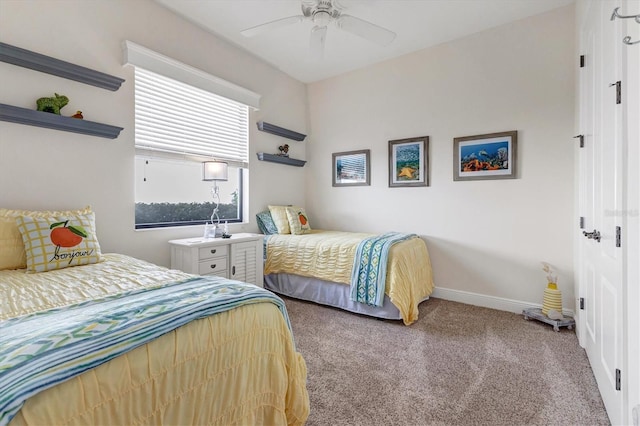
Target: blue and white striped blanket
{"points": [[40, 350], [368, 278]]}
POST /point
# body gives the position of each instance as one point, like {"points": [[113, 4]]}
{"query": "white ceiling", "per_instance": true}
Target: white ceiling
{"points": [[418, 24]]}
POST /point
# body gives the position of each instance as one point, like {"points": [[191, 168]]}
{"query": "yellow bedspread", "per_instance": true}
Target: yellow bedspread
{"points": [[236, 367], [329, 256]]}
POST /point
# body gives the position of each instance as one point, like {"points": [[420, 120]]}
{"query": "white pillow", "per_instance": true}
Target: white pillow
{"points": [[279, 215]]}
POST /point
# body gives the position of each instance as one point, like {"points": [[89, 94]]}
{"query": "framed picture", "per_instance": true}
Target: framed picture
{"points": [[351, 168], [408, 162], [490, 156]]}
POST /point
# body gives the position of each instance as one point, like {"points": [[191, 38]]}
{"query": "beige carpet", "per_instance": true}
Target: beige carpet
{"points": [[457, 365]]}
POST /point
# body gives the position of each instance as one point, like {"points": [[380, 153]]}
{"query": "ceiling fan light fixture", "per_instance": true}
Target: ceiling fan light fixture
{"points": [[321, 18], [322, 13]]}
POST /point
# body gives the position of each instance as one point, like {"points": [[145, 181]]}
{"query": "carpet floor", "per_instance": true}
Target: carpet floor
{"points": [[457, 365]]}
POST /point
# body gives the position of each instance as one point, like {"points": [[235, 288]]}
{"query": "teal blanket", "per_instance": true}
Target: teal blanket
{"points": [[368, 278], [40, 350]]}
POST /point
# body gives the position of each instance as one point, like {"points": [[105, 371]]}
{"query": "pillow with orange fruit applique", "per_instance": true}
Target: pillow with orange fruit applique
{"points": [[59, 242], [12, 254], [298, 220]]}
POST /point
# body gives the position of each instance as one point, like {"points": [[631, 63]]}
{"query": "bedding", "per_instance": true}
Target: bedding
{"points": [[328, 256], [209, 364]]}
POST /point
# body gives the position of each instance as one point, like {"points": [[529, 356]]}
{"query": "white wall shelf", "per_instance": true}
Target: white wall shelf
{"points": [[263, 156]]}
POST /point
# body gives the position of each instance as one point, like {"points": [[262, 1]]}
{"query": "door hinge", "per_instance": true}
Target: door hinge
{"points": [[581, 140], [581, 222], [618, 236], [582, 303], [618, 379], [581, 61], [618, 85]]}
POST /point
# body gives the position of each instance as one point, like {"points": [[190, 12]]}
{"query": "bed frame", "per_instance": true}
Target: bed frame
{"points": [[328, 293]]}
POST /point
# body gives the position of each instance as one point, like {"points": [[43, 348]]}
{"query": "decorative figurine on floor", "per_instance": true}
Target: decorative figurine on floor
{"points": [[53, 104], [284, 150], [552, 299]]}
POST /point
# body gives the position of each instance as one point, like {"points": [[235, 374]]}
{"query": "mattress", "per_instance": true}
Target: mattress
{"points": [[235, 367], [329, 256]]}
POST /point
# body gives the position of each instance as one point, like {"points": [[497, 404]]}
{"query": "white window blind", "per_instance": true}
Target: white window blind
{"points": [[178, 120]]}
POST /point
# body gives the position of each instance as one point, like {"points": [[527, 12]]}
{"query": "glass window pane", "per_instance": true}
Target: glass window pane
{"points": [[171, 192]]}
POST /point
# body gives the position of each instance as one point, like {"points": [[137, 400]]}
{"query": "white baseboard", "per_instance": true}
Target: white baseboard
{"points": [[493, 302]]}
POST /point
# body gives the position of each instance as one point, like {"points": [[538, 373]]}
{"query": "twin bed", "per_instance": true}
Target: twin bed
{"points": [[123, 341], [344, 269], [318, 266], [115, 340]]}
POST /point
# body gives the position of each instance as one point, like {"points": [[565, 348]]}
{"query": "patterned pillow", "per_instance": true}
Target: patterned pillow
{"points": [[279, 216], [12, 254], [265, 223], [298, 220], [59, 242]]}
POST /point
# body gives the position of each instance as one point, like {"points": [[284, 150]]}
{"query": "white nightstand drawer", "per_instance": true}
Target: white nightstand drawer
{"points": [[213, 266], [209, 252]]}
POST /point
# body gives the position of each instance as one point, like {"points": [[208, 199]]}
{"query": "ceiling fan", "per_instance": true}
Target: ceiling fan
{"points": [[322, 13]]}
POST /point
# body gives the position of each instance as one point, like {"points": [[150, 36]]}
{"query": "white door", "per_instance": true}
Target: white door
{"points": [[602, 203]]}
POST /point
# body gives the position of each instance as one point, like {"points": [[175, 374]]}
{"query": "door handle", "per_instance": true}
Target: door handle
{"points": [[595, 235]]}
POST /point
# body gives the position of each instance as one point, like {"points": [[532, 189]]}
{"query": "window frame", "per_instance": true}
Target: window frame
{"points": [[144, 58]]}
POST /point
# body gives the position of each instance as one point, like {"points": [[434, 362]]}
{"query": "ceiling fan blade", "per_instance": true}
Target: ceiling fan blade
{"points": [[316, 43], [365, 29], [278, 23]]}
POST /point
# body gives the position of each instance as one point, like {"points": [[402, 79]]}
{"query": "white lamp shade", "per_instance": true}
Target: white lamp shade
{"points": [[214, 170]]}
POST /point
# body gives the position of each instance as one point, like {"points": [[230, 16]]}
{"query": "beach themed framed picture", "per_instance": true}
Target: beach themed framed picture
{"points": [[351, 168], [490, 156], [408, 162]]}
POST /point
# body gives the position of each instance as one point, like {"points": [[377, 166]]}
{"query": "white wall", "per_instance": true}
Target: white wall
{"points": [[49, 169], [484, 237]]}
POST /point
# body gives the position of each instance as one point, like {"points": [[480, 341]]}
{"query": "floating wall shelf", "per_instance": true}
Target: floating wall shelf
{"points": [[30, 117], [280, 159], [279, 131], [36, 61]]}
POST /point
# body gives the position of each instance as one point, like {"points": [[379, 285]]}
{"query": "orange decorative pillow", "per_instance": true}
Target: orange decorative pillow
{"points": [[298, 220], [59, 242], [12, 254]]}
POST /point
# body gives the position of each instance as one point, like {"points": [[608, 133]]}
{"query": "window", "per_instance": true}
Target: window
{"points": [[178, 125], [171, 193]]}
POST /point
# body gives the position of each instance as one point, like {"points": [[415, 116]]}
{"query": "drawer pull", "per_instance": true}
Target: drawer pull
{"points": [[213, 266], [213, 251]]}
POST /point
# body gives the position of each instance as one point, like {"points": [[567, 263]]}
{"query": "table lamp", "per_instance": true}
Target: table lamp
{"points": [[215, 171]]}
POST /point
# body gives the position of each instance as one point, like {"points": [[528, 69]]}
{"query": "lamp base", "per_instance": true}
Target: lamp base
{"points": [[212, 230]]}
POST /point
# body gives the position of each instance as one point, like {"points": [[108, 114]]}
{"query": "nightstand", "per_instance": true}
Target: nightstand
{"points": [[238, 258]]}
